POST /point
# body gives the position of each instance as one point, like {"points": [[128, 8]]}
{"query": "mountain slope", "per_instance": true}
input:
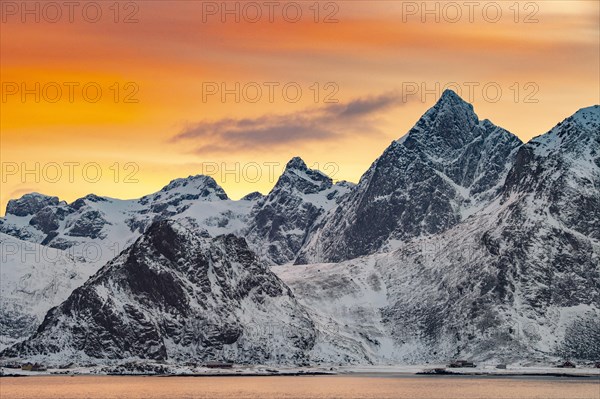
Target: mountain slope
{"points": [[461, 294], [107, 225], [519, 279], [275, 225], [33, 279], [177, 295], [448, 166], [493, 253], [562, 169], [280, 222], [93, 230]]}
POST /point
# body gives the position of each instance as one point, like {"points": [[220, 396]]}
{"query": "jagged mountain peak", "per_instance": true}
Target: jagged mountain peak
{"points": [[575, 134], [37, 195], [588, 114], [296, 163], [94, 198], [190, 188], [300, 177], [90, 198], [172, 240], [451, 106], [447, 167], [167, 227], [253, 196], [169, 236], [450, 127], [451, 137], [281, 220], [30, 204], [562, 168], [450, 99], [196, 181]]}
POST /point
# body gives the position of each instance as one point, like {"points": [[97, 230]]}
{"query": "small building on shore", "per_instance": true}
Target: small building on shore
{"points": [[567, 365], [461, 363], [218, 365], [33, 367]]}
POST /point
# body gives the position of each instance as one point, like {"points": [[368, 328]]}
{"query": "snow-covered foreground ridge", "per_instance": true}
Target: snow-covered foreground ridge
{"points": [[459, 241]]}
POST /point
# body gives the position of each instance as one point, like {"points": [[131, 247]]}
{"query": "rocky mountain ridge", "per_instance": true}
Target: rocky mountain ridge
{"points": [[459, 241]]}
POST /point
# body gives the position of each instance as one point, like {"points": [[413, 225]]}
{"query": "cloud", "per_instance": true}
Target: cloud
{"points": [[366, 106], [328, 122]]}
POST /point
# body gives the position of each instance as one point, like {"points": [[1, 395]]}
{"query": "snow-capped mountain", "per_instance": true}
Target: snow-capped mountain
{"points": [[112, 224], [280, 222], [93, 230], [54, 247], [460, 294], [561, 169], [33, 278], [459, 241], [448, 166], [518, 280], [275, 225], [176, 294]]}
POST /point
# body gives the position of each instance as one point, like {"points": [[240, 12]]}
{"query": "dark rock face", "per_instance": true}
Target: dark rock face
{"points": [[89, 224], [281, 221], [253, 196], [176, 295], [447, 163], [363, 223], [521, 277], [30, 204], [582, 338], [559, 169], [299, 177], [46, 220]]}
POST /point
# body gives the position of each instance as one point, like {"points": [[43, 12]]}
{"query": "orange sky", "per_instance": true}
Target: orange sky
{"points": [[367, 57]]}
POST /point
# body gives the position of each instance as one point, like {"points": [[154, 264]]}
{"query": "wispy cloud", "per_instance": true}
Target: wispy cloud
{"points": [[331, 121]]}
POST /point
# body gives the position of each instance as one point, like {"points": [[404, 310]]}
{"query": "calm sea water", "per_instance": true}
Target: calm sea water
{"points": [[313, 387]]}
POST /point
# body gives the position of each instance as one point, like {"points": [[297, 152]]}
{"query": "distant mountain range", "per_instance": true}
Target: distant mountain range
{"points": [[458, 241]]}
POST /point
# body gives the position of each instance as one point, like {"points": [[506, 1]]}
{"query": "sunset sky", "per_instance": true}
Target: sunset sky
{"points": [[369, 56]]}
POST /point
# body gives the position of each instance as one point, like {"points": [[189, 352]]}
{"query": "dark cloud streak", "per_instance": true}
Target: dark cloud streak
{"points": [[327, 122]]}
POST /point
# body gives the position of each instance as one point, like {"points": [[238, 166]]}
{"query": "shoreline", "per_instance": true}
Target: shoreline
{"points": [[258, 371]]}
